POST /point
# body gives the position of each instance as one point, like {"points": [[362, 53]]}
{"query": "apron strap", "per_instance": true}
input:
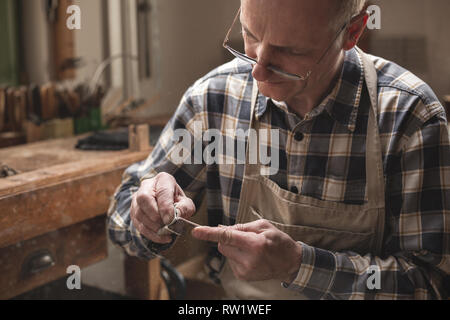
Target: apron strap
{"points": [[252, 167], [374, 164]]}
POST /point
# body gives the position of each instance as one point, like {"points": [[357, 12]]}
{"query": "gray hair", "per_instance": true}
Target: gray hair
{"points": [[346, 9]]}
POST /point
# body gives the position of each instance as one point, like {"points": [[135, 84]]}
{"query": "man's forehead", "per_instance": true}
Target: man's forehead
{"points": [[293, 10], [307, 19]]}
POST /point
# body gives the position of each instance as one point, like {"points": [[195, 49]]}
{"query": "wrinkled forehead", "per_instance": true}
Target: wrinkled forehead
{"points": [[307, 20]]}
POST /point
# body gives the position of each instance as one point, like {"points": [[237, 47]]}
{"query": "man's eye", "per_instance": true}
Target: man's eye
{"points": [[248, 36], [296, 53]]}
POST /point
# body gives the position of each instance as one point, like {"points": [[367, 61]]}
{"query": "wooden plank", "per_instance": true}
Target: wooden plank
{"points": [[139, 137], [78, 187], [44, 154], [30, 181], [130, 119], [25, 215], [9, 139], [143, 279], [82, 244], [63, 43]]}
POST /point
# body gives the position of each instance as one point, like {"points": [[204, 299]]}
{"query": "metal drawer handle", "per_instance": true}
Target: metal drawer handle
{"points": [[37, 262]]}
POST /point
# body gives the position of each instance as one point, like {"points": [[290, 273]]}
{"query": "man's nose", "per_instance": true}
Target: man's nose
{"points": [[261, 73], [260, 70]]}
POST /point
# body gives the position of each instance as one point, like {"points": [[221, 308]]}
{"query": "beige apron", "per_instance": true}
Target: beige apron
{"points": [[327, 225]]}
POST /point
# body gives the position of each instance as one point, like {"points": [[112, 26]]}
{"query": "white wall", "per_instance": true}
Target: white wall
{"points": [[191, 34], [190, 39], [89, 41]]}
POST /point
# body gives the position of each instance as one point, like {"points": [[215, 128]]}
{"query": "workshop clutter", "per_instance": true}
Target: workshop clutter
{"points": [[49, 111]]}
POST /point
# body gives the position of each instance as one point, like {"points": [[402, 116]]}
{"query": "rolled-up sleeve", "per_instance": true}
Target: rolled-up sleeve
{"points": [[190, 177]]}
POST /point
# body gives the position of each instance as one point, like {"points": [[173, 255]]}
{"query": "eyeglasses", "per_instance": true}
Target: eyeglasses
{"points": [[287, 75]]}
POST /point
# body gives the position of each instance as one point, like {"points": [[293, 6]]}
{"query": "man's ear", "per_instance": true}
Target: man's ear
{"points": [[355, 31]]}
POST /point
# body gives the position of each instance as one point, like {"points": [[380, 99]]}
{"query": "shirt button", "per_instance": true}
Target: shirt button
{"points": [[294, 189], [299, 136]]}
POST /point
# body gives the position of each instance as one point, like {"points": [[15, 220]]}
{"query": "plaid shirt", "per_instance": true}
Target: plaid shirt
{"points": [[329, 164]]}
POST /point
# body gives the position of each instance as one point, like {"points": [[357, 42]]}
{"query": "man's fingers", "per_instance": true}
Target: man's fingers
{"points": [[186, 207], [156, 198], [165, 195], [141, 217], [225, 235], [232, 253], [146, 201], [152, 236], [257, 226]]}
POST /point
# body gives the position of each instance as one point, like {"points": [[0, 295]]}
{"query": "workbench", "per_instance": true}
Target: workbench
{"points": [[53, 213]]}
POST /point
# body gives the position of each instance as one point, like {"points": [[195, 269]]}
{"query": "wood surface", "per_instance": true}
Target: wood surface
{"points": [[139, 137], [58, 186], [8, 139], [143, 279]]}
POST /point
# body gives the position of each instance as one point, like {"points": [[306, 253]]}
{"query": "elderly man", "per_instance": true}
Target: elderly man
{"points": [[358, 207]]}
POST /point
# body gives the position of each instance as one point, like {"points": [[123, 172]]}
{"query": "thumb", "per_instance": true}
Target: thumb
{"points": [[185, 207]]}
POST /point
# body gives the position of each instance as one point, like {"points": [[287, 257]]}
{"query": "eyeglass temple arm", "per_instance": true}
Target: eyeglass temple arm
{"points": [[357, 17], [227, 38]]}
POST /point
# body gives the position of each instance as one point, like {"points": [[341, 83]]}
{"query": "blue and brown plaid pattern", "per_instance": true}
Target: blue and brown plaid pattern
{"points": [[323, 156]]}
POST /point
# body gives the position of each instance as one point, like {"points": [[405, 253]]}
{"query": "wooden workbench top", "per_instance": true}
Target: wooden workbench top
{"points": [[45, 163], [58, 186]]}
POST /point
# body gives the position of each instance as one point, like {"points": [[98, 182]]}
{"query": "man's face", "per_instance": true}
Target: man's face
{"points": [[291, 35]]}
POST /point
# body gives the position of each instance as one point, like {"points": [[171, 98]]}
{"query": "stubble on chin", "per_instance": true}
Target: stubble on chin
{"points": [[279, 93]]}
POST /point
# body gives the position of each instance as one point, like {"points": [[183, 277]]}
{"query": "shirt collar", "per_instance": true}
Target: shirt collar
{"points": [[342, 103]]}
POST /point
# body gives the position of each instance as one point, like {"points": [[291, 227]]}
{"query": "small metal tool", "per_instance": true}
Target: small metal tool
{"points": [[178, 226]]}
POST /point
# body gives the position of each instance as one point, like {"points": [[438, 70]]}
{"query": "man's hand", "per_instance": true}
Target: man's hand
{"points": [[152, 206], [256, 251]]}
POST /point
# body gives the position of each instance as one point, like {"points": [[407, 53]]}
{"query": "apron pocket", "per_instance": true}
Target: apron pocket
{"points": [[292, 209], [327, 239]]}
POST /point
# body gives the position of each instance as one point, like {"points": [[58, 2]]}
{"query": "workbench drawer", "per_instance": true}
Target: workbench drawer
{"points": [[32, 263]]}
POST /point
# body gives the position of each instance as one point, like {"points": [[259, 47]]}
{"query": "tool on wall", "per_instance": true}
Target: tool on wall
{"points": [[52, 110], [144, 9], [62, 39]]}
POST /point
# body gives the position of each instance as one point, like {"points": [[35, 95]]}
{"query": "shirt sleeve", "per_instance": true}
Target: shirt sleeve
{"points": [[416, 261], [172, 155]]}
